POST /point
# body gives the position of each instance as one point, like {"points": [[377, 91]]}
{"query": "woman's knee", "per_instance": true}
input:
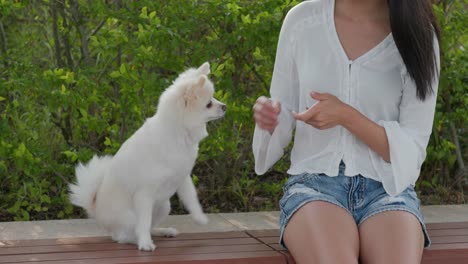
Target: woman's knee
{"points": [[391, 237], [321, 232]]}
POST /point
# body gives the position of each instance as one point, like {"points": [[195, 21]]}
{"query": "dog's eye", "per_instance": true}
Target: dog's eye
{"points": [[209, 105]]}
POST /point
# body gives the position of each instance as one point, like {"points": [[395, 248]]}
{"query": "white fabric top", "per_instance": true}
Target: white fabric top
{"points": [[310, 58]]}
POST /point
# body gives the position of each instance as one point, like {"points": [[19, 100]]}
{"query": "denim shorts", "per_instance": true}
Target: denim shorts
{"points": [[361, 197]]}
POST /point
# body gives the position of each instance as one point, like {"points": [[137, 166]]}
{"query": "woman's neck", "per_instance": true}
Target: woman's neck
{"points": [[363, 10]]}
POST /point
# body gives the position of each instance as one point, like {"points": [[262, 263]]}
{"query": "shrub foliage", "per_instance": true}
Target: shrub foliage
{"points": [[78, 77]]}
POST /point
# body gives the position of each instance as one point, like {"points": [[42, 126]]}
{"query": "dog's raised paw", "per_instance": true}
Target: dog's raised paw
{"points": [[201, 219], [166, 232]]}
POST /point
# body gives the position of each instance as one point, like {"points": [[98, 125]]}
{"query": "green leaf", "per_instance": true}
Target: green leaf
{"points": [[123, 69], [115, 74], [84, 113], [246, 19], [144, 12], [68, 208], [195, 179], [45, 199], [107, 142], [20, 151], [72, 156], [61, 215], [26, 216]]}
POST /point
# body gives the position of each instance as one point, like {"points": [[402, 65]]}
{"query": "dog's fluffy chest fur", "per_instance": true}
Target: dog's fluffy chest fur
{"points": [[163, 160]]}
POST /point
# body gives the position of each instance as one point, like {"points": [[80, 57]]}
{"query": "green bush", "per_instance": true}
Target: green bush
{"points": [[444, 176], [79, 77]]}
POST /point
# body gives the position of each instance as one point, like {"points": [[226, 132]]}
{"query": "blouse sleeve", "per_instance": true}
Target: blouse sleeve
{"points": [[269, 148], [408, 137]]}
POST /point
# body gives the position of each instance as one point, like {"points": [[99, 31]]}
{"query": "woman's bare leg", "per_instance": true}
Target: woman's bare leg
{"points": [[321, 232], [391, 237]]}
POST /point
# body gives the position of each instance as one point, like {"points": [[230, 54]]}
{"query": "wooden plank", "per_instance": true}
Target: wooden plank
{"points": [[269, 240], [442, 236], [445, 257], [258, 257], [450, 261], [97, 240], [448, 246], [448, 232], [432, 227], [289, 257], [277, 247], [264, 233], [59, 241], [446, 254], [454, 225], [116, 246], [449, 239], [132, 253], [64, 248]]}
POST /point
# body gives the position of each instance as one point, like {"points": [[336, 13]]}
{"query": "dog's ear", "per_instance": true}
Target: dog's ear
{"points": [[204, 69], [192, 91], [201, 80]]}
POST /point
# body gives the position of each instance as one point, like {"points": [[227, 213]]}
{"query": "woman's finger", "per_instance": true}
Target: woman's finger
{"points": [[269, 106], [276, 107], [269, 113], [306, 115], [266, 127], [265, 110], [264, 120], [262, 100], [318, 96]]}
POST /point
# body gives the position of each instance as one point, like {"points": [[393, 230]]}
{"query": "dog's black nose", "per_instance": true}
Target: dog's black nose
{"points": [[224, 107]]}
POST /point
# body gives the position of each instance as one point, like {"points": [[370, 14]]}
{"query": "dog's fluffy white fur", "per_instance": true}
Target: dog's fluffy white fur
{"points": [[129, 193]]}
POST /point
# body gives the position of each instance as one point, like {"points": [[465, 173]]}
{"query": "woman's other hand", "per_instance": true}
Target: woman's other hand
{"points": [[266, 113], [328, 112]]}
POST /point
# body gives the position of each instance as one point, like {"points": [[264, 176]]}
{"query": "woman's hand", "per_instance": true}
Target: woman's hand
{"points": [[328, 112], [266, 113]]}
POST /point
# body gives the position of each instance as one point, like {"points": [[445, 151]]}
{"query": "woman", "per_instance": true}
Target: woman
{"points": [[357, 79]]}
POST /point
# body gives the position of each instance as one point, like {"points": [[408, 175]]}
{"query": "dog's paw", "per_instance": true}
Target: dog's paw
{"points": [[146, 245], [200, 219], [166, 232], [124, 238]]}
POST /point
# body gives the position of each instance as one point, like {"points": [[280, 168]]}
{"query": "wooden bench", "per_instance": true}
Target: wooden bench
{"points": [[450, 246]]}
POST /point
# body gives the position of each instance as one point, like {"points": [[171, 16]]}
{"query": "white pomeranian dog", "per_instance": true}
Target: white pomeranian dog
{"points": [[128, 193]]}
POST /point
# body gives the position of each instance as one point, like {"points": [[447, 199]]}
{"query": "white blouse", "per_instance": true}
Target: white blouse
{"points": [[310, 58]]}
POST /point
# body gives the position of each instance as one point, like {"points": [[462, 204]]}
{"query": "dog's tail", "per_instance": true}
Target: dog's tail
{"points": [[89, 178]]}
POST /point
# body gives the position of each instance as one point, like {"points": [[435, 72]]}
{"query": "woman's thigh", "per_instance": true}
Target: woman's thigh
{"points": [[321, 232], [391, 237]]}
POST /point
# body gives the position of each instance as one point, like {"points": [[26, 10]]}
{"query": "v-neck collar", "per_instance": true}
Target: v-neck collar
{"points": [[336, 39]]}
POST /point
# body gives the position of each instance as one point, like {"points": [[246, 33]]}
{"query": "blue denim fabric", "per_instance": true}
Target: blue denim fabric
{"points": [[360, 197]]}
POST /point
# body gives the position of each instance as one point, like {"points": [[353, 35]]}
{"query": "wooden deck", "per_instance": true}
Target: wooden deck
{"points": [[450, 246]]}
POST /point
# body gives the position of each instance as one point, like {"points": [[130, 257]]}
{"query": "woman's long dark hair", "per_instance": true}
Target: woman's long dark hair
{"points": [[413, 25]]}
